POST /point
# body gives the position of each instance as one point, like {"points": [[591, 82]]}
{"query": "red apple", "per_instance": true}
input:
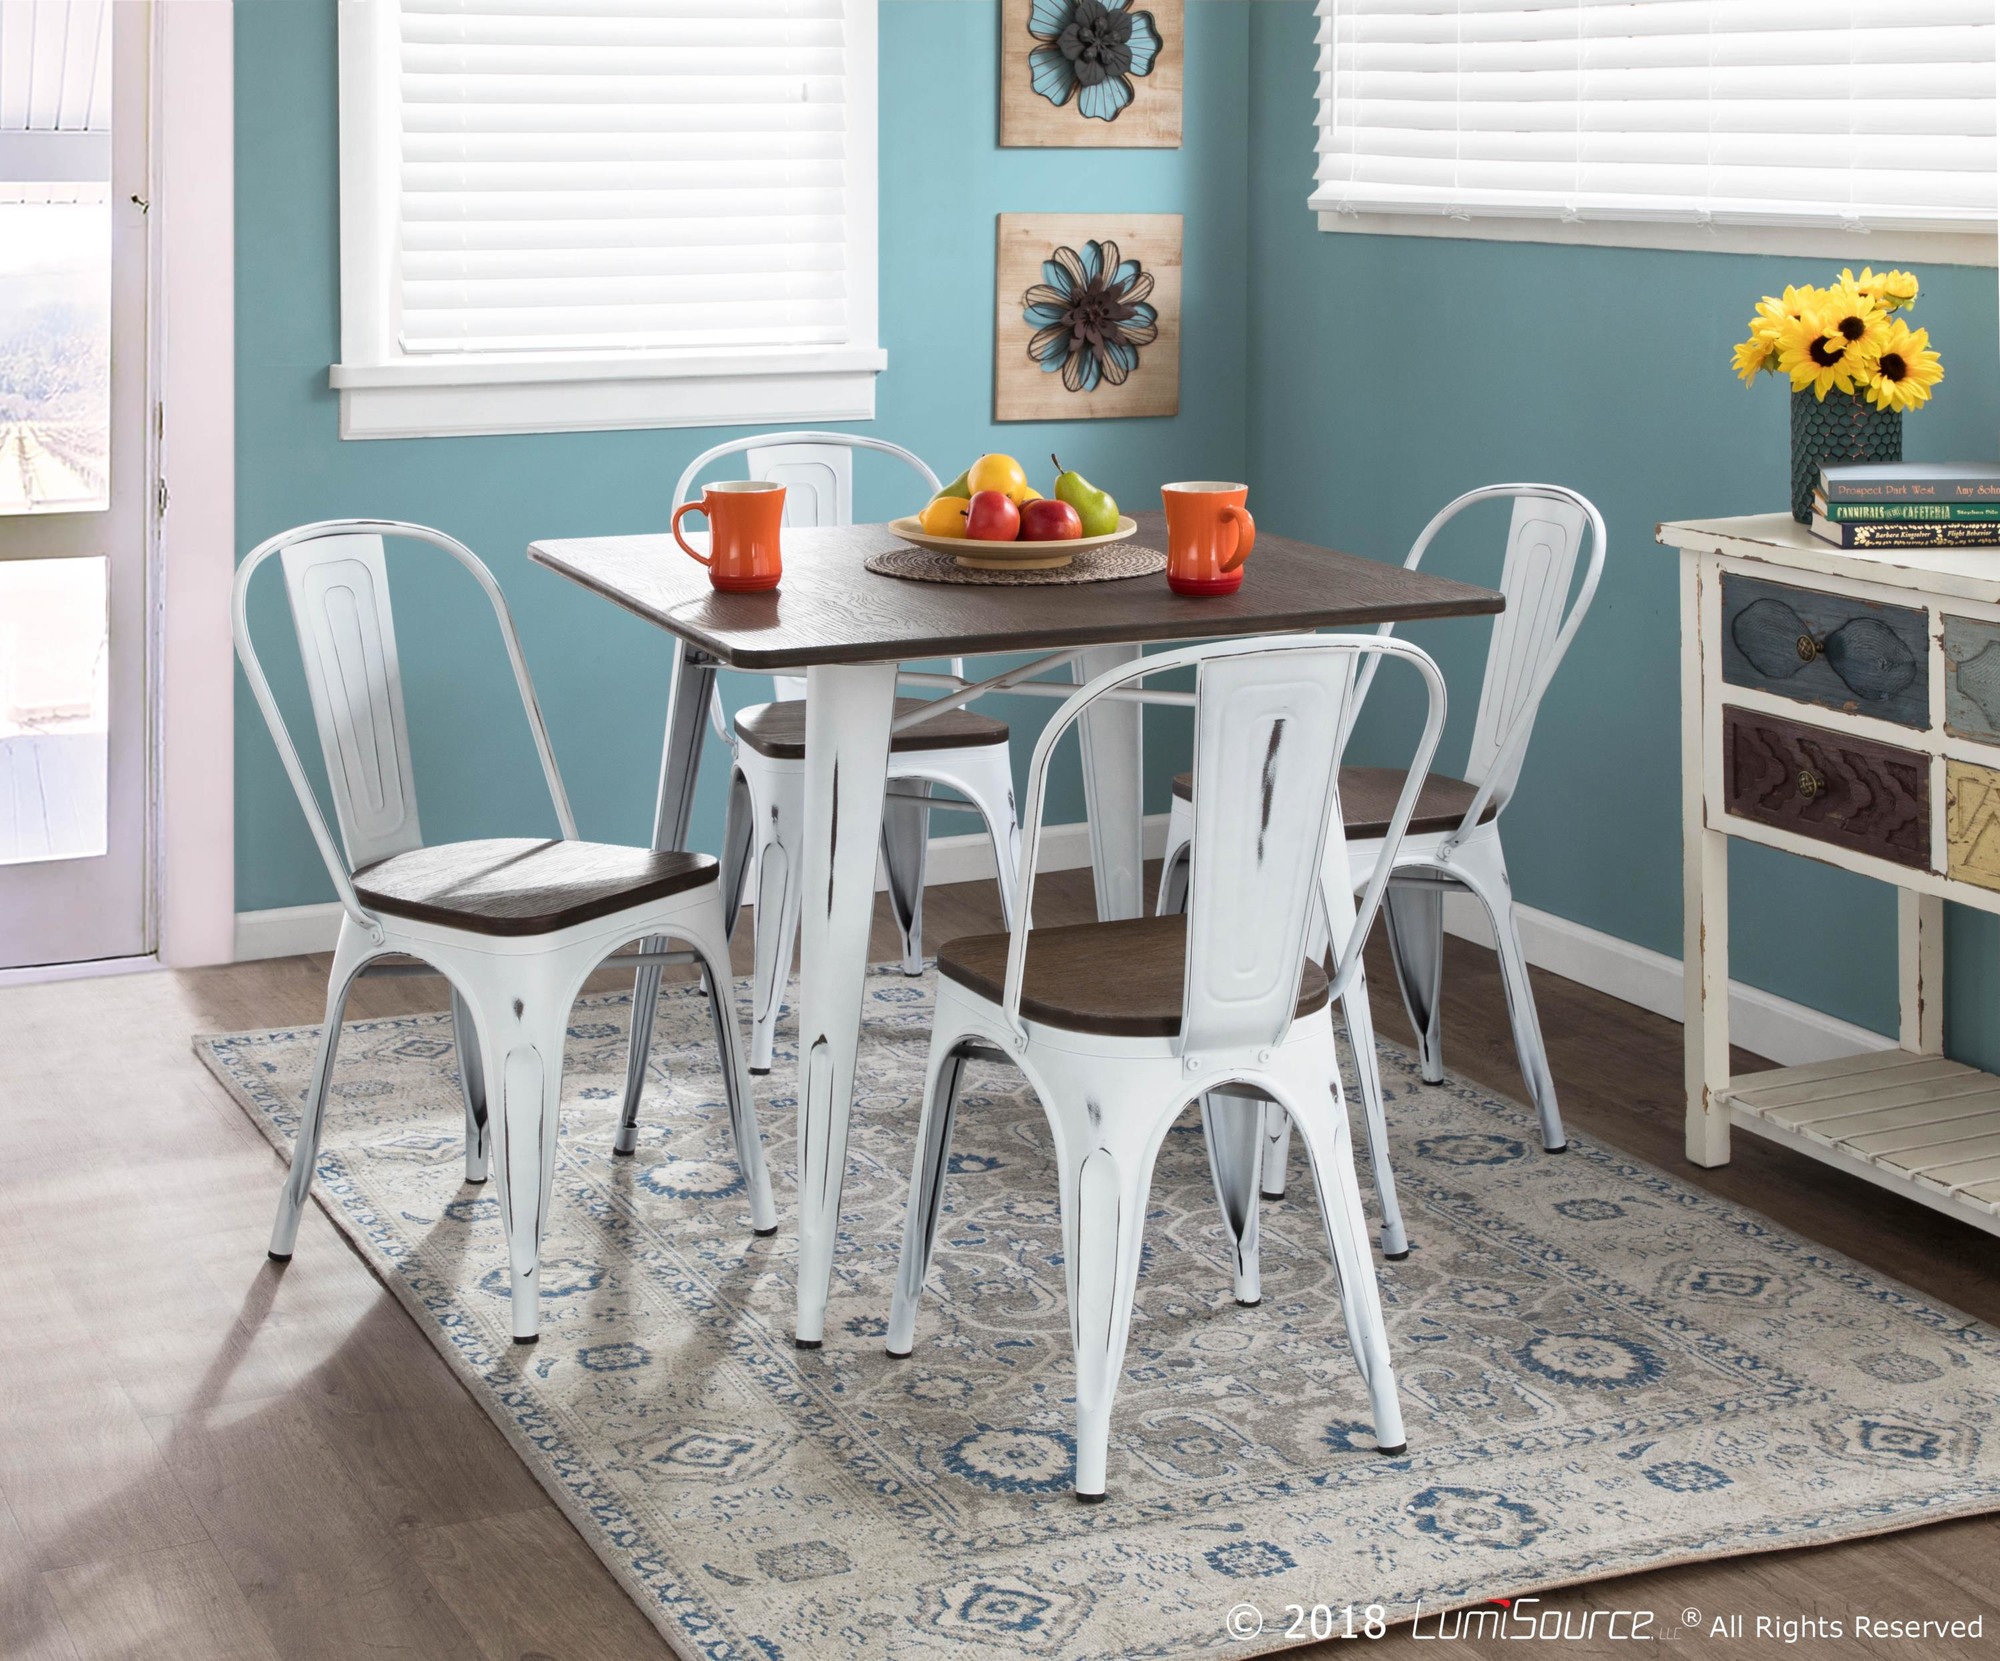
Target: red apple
{"points": [[1045, 520], [992, 518]]}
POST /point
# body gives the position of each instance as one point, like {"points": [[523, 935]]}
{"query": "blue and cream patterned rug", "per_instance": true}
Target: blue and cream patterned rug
{"points": [[1602, 1368]]}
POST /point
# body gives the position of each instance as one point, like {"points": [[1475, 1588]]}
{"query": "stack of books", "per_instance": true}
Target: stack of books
{"points": [[1909, 504]]}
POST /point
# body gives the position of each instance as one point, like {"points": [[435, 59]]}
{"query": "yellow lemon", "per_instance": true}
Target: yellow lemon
{"points": [[945, 516], [1028, 494], [1001, 473]]}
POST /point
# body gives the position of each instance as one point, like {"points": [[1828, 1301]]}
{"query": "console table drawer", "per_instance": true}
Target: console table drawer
{"points": [[1972, 679], [1827, 649], [1847, 792], [1972, 823]]}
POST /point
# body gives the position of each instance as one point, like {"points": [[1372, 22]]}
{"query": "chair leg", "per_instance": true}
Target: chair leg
{"points": [[1232, 1123], [779, 836], [1104, 1155], [1277, 1152], [472, 1086], [906, 827], [1482, 867], [351, 951], [521, 1008], [738, 825], [1322, 1123], [1414, 914], [646, 981], [711, 945], [1360, 1021], [920, 1222], [1177, 862]]}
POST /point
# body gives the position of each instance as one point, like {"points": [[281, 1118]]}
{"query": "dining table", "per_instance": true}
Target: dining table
{"points": [[850, 631]]}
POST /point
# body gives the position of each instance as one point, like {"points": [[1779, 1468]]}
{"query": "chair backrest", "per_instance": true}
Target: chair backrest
{"points": [[337, 579], [817, 471], [1550, 529], [1269, 719]]}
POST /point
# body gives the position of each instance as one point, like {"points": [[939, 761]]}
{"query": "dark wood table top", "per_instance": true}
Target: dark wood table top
{"points": [[831, 609]]}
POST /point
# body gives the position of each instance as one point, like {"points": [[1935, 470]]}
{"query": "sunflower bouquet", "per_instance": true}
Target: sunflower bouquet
{"points": [[1855, 366], [1845, 337]]}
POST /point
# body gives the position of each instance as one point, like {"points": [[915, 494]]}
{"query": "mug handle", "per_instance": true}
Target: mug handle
{"points": [[686, 508], [1246, 535]]}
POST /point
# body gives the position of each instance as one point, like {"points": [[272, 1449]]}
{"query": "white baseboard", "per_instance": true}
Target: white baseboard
{"points": [[293, 930], [1761, 1022]]}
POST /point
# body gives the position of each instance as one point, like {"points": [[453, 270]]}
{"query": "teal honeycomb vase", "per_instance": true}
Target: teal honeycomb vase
{"points": [[1843, 427]]}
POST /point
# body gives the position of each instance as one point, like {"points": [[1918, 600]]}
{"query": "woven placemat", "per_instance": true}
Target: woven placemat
{"points": [[1111, 563]]}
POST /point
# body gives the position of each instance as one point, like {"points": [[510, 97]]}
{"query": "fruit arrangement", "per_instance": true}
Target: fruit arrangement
{"points": [[992, 501]]}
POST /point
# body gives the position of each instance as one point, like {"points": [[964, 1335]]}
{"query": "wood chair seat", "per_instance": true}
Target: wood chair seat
{"points": [[520, 885], [1123, 979], [1368, 800], [778, 730]]}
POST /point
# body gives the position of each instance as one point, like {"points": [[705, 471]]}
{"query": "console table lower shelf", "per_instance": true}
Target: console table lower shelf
{"points": [[1923, 1126]]}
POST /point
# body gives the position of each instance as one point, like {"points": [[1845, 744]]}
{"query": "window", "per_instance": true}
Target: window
{"points": [[55, 263], [572, 214], [1833, 116]]}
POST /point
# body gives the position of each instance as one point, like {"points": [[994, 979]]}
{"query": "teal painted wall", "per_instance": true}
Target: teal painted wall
{"points": [[1388, 374], [1357, 382], [601, 675]]}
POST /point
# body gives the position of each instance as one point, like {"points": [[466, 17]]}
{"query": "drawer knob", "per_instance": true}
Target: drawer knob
{"points": [[1809, 648], [1811, 784]]}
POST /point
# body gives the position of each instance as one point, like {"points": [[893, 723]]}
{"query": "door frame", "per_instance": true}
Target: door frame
{"points": [[191, 540], [194, 555]]}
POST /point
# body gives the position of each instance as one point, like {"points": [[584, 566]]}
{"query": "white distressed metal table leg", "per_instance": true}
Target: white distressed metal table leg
{"points": [[680, 770], [1111, 735], [1704, 887], [849, 709]]}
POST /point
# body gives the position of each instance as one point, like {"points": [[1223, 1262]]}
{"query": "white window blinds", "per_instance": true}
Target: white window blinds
{"points": [[621, 175], [1874, 114]]}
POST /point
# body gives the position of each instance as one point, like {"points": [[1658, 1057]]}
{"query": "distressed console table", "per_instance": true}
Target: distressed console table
{"points": [[1844, 706]]}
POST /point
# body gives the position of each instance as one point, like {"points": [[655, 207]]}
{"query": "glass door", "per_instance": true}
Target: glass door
{"points": [[76, 492]]}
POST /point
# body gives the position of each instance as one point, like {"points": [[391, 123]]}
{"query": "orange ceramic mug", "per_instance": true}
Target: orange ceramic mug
{"points": [[1209, 535], [744, 516]]}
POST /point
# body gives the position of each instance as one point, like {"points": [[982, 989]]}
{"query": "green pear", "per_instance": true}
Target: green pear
{"points": [[1098, 509], [960, 486]]}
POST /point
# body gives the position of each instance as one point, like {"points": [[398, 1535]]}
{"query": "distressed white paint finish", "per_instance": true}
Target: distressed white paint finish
{"points": [[511, 995], [1551, 530], [1877, 1086], [1268, 721], [339, 589]]}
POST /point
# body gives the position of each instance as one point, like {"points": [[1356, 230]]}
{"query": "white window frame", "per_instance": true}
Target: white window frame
{"points": [[1975, 245], [386, 393]]}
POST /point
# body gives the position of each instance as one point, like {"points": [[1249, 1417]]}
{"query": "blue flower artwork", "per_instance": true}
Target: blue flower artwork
{"points": [[1091, 51], [1091, 315]]}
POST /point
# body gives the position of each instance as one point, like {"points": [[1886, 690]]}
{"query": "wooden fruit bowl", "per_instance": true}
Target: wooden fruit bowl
{"points": [[1009, 556]]}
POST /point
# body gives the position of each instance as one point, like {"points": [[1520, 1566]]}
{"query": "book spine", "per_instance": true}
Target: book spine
{"points": [[1878, 535], [1913, 490], [1949, 513]]}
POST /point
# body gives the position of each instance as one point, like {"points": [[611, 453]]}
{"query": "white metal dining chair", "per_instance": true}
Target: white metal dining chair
{"points": [[1119, 1026], [1454, 836], [514, 925], [959, 749]]}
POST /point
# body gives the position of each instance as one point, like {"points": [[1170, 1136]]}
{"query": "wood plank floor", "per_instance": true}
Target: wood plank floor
{"points": [[204, 1457]]}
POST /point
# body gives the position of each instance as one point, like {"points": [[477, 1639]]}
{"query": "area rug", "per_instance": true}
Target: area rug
{"points": [[1602, 1369]]}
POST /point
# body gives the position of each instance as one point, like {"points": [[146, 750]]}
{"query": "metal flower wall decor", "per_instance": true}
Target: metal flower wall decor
{"points": [[1091, 73], [1087, 317], [1091, 50], [1090, 316]]}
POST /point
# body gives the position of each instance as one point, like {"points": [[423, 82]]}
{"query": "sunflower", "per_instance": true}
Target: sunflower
{"points": [[1890, 290], [1754, 356], [1905, 368], [1852, 315], [1773, 314], [1817, 357]]}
